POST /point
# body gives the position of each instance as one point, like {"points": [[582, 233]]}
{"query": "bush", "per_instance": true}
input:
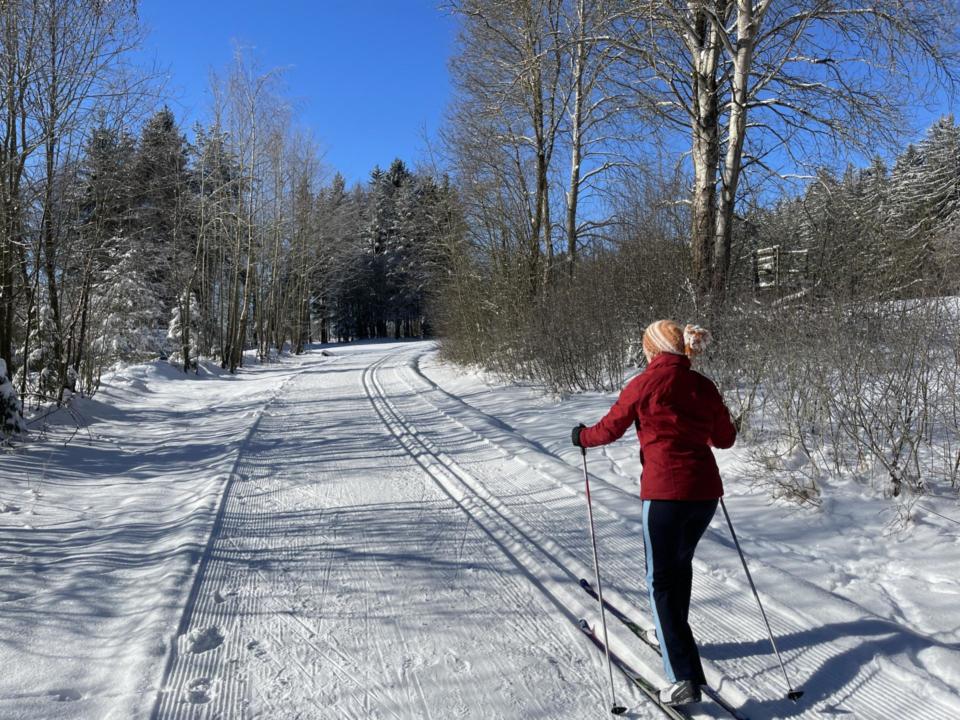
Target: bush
{"points": [[578, 333], [868, 390]]}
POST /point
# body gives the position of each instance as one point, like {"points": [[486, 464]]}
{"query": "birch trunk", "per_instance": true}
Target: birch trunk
{"points": [[576, 138], [747, 23], [705, 49]]}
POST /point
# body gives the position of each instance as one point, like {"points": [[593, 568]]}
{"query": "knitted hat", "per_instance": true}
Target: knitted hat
{"points": [[665, 336]]}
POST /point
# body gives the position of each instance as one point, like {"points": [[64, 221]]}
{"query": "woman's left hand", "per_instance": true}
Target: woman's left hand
{"points": [[575, 435]]}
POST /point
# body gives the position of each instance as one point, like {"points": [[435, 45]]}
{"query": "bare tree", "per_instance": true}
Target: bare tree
{"points": [[305, 238], [60, 68], [20, 36], [596, 104], [767, 86], [251, 106], [508, 75]]}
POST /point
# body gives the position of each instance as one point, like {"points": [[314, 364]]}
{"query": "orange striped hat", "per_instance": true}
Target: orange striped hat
{"points": [[665, 336]]}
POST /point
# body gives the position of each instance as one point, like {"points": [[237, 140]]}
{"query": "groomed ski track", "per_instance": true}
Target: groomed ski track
{"points": [[387, 551]]}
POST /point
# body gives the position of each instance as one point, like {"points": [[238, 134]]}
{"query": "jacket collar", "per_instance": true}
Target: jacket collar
{"points": [[665, 359]]}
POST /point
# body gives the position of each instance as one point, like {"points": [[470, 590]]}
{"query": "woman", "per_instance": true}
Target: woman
{"points": [[679, 416]]}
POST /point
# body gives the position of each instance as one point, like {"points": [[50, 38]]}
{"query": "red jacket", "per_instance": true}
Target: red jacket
{"points": [[679, 416]]}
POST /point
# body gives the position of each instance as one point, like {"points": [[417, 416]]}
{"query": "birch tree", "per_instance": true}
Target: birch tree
{"points": [[769, 86]]}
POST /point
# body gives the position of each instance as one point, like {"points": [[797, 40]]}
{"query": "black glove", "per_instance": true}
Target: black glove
{"points": [[575, 435]]}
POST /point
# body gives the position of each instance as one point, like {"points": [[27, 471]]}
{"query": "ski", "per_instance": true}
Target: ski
{"points": [[615, 611], [638, 631], [638, 680]]}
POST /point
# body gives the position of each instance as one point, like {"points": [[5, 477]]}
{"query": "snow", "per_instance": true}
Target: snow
{"points": [[365, 531], [102, 527], [843, 575]]}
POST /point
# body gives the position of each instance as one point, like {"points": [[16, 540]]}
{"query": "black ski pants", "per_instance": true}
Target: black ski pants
{"points": [[671, 531]]}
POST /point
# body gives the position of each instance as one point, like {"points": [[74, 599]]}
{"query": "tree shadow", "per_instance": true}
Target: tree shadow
{"points": [[866, 644]]}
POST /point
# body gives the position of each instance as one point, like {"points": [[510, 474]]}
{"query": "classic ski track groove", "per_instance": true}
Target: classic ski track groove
{"points": [[534, 519], [754, 679], [490, 514], [247, 590], [509, 585], [381, 405], [470, 503]]}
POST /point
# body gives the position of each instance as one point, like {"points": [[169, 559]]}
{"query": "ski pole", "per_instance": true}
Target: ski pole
{"points": [[614, 708], [791, 693]]}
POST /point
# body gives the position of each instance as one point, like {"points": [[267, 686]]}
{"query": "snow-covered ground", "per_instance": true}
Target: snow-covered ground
{"points": [[367, 532], [102, 519], [855, 545]]}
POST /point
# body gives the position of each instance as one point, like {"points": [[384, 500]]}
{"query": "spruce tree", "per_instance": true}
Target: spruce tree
{"points": [[11, 409], [160, 183]]}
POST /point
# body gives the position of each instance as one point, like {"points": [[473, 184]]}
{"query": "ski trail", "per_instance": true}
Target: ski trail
{"points": [[344, 582], [536, 558], [865, 672]]}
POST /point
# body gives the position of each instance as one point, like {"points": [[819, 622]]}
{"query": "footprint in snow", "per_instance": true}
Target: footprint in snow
{"points": [[222, 597], [200, 691], [458, 664], [8, 508], [254, 647], [206, 639]]}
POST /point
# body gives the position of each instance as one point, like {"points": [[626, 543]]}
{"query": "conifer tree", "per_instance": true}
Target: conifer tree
{"points": [[11, 409], [159, 181]]}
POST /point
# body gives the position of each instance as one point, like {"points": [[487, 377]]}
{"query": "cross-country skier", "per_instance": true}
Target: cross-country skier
{"points": [[679, 416]]}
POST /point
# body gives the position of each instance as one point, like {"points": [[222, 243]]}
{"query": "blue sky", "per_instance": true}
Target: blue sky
{"points": [[369, 77]]}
